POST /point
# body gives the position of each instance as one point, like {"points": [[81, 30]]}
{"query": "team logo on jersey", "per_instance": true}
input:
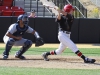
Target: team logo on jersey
{"points": [[21, 33]]}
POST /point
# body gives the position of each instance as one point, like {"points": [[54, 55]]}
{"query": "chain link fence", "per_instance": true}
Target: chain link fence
{"points": [[96, 12], [80, 11], [96, 2]]}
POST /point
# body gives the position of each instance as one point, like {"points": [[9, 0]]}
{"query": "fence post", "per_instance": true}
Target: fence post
{"points": [[37, 7]]}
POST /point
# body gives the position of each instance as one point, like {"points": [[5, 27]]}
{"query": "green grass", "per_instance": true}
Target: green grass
{"points": [[38, 51], [52, 71], [43, 71]]}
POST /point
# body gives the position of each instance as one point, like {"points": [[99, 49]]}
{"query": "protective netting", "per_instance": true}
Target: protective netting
{"points": [[96, 2]]}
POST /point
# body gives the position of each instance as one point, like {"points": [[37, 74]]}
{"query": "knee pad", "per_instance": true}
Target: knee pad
{"points": [[11, 42], [28, 43]]}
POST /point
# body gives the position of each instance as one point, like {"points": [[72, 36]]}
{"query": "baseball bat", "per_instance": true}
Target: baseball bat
{"points": [[48, 5]]}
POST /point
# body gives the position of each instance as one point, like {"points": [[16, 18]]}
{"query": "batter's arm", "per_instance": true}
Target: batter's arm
{"points": [[59, 13], [59, 16]]}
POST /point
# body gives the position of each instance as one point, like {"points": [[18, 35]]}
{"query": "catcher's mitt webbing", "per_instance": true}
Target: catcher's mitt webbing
{"points": [[39, 42]]}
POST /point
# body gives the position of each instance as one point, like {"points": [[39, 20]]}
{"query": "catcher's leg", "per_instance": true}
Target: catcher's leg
{"points": [[9, 45], [25, 47]]}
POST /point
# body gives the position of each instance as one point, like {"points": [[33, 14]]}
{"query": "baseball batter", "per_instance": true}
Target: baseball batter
{"points": [[13, 37], [65, 20]]}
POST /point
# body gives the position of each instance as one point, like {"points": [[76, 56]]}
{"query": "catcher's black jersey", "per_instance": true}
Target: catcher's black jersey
{"points": [[65, 23]]}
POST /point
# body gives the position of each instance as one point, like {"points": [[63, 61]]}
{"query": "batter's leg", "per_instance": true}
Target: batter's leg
{"points": [[67, 42], [58, 51]]}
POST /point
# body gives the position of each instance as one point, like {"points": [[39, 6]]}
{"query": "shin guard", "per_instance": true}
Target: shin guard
{"points": [[9, 45], [26, 46]]}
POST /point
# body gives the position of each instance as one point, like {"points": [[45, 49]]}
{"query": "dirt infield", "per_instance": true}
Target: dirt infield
{"points": [[58, 61], [55, 62]]}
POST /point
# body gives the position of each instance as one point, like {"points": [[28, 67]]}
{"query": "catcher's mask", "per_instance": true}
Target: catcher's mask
{"points": [[24, 19], [68, 8]]}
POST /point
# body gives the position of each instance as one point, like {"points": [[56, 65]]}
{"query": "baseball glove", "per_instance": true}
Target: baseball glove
{"points": [[39, 42]]}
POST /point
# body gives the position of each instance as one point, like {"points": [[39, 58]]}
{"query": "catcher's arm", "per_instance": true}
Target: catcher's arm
{"points": [[36, 34], [39, 40]]}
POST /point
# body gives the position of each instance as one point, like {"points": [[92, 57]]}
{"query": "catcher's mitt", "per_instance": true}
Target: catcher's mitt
{"points": [[39, 42]]}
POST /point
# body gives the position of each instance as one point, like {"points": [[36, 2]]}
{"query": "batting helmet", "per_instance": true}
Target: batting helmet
{"points": [[68, 8], [24, 18]]}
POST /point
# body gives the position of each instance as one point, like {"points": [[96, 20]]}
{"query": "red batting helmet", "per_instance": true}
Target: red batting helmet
{"points": [[68, 8]]}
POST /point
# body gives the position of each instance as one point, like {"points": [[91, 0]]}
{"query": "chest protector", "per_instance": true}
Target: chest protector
{"points": [[20, 31]]}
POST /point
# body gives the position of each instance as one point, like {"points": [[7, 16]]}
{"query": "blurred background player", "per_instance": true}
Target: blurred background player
{"points": [[32, 14], [65, 20], [13, 37]]}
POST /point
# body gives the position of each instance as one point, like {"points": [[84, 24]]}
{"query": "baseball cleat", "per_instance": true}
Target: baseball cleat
{"points": [[21, 57], [88, 60], [45, 57], [5, 57]]}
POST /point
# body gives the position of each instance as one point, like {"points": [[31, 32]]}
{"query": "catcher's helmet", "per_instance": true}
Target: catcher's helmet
{"points": [[24, 18], [68, 8]]}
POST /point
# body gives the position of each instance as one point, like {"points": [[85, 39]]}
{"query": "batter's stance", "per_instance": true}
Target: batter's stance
{"points": [[13, 37], [65, 20]]}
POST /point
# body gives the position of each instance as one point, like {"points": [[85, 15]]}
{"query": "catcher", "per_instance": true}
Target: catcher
{"points": [[13, 37]]}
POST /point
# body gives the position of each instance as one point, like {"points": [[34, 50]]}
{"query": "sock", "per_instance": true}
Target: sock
{"points": [[80, 54], [48, 53], [51, 53]]}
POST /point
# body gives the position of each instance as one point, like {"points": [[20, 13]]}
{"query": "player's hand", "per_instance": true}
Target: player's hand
{"points": [[18, 38], [57, 8]]}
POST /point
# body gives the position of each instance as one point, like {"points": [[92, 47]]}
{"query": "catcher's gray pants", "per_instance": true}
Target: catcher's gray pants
{"points": [[17, 43]]}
